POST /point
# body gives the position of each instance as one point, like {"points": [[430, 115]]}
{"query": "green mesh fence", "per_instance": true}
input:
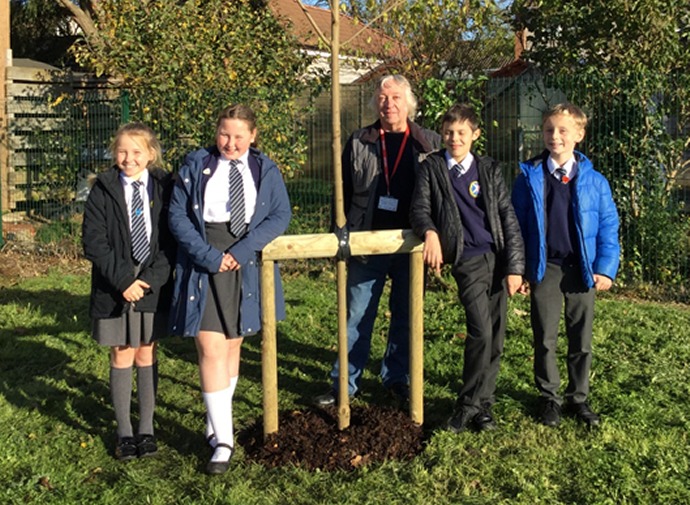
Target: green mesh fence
{"points": [[57, 140]]}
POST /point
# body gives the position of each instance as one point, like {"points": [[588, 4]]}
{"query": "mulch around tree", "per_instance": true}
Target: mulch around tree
{"points": [[310, 439]]}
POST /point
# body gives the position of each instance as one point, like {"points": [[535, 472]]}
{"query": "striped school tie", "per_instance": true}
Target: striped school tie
{"points": [[237, 213], [140, 241], [561, 175], [459, 170]]}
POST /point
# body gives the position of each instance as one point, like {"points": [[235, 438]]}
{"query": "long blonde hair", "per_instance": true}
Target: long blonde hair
{"points": [[148, 139]]}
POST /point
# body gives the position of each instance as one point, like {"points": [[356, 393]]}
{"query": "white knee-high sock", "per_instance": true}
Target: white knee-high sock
{"points": [[219, 408], [213, 440]]}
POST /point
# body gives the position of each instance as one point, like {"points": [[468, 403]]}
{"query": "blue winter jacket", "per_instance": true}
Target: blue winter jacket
{"points": [[196, 258], [596, 219]]}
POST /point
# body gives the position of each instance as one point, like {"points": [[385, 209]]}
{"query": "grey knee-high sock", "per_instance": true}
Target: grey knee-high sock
{"points": [[147, 385], [121, 394]]}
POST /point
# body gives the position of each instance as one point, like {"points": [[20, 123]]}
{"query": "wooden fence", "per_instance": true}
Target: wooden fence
{"points": [[59, 125]]}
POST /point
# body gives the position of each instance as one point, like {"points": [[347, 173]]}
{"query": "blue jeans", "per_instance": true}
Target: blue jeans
{"points": [[365, 281]]}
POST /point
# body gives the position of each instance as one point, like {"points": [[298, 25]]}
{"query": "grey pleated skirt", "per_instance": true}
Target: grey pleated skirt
{"points": [[222, 309], [131, 328]]}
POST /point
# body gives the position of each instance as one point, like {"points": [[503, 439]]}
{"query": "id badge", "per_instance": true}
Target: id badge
{"points": [[388, 203]]}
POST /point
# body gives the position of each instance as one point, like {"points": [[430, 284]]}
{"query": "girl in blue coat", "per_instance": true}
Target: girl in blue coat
{"points": [[228, 203]]}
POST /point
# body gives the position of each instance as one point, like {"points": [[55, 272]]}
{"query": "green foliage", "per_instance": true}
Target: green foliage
{"points": [[438, 95], [623, 37], [184, 61], [65, 138], [60, 231], [311, 205], [59, 431], [54, 165], [442, 38], [632, 58]]}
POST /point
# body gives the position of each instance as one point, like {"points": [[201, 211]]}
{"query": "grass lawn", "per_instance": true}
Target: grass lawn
{"points": [[57, 426]]}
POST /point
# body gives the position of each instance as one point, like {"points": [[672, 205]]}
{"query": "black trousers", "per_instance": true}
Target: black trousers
{"points": [[483, 295], [562, 283]]}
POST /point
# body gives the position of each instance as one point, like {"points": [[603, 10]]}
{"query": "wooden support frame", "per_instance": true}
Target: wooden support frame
{"points": [[326, 246], [5, 63]]}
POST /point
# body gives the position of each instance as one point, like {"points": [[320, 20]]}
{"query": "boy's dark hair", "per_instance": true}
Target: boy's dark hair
{"points": [[461, 112]]}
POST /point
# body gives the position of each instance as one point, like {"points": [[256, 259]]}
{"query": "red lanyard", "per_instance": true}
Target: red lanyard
{"points": [[385, 156]]}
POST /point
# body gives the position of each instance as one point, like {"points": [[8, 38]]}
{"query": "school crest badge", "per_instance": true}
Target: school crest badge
{"points": [[474, 189]]}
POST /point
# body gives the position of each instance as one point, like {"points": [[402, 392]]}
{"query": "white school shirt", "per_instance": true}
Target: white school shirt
{"points": [[143, 191], [217, 193], [465, 164], [569, 166]]}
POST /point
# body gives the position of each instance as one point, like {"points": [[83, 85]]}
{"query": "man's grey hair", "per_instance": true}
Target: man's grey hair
{"points": [[400, 81]]}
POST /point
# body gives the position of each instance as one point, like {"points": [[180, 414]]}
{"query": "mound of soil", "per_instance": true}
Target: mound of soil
{"points": [[310, 439]]}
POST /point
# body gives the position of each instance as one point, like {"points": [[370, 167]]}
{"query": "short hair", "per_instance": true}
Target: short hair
{"points": [[146, 135], [238, 111], [400, 81], [461, 112], [567, 109]]}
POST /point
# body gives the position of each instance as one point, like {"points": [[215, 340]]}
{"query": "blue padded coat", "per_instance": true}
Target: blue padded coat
{"points": [[196, 258], [596, 219]]}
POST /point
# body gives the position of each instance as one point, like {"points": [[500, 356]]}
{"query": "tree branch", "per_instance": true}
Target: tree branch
{"points": [[385, 11], [82, 18], [319, 33]]}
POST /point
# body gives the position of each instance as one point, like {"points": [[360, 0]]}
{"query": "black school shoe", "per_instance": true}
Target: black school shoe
{"points": [[146, 446], [461, 420], [484, 420], [126, 448], [328, 399], [401, 394], [550, 413], [220, 467], [584, 414]]}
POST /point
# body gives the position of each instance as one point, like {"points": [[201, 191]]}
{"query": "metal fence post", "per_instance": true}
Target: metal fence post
{"points": [[124, 103]]}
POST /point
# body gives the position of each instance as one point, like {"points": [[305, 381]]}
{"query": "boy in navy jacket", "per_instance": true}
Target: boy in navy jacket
{"points": [[570, 226], [461, 209]]}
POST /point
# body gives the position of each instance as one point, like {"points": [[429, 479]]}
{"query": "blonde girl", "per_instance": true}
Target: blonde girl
{"points": [[126, 238]]}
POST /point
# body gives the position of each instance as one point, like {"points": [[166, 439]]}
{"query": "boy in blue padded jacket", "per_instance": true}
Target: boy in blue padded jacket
{"points": [[570, 226], [461, 209]]}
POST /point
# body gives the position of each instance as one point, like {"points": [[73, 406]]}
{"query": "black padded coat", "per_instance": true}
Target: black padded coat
{"points": [[107, 244], [434, 208]]}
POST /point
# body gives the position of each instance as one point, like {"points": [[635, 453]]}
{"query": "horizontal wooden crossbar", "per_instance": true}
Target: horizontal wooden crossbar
{"points": [[325, 245]]}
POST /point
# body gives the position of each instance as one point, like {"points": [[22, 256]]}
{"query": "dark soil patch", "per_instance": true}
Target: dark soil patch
{"points": [[311, 439], [22, 261]]}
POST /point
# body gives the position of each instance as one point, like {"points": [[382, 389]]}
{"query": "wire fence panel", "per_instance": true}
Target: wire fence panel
{"points": [[58, 137], [59, 129]]}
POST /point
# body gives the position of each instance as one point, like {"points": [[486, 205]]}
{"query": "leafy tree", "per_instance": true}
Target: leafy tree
{"points": [[616, 36], [633, 59], [183, 61], [41, 30], [446, 40]]}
